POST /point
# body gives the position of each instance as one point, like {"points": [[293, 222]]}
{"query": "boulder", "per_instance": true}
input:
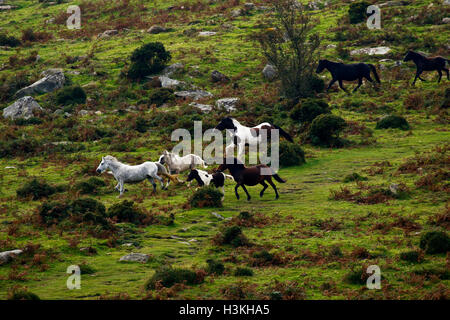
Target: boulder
{"points": [[217, 76], [237, 13], [7, 256], [203, 107], [166, 82], [207, 33], [371, 51], [269, 72], [174, 68], [193, 94], [52, 80], [446, 20], [107, 34], [156, 29], [228, 103], [7, 7], [135, 257], [22, 108], [249, 6]]}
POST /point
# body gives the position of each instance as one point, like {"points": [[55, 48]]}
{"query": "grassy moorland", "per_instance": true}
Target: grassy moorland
{"points": [[312, 243]]}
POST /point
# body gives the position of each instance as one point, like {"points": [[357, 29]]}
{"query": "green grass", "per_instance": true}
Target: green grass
{"points": [[293, 231]]}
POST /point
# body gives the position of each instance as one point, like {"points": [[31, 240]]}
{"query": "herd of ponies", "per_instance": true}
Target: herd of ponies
{"points": [[242, 135]]}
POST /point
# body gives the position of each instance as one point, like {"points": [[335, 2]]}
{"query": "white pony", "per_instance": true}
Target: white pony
{"points": [[133, 174], [179, 164], [243, 135]]}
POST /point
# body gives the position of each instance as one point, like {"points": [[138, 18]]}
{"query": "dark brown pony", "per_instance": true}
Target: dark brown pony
{"points": [[250, 176], [427, 64]]}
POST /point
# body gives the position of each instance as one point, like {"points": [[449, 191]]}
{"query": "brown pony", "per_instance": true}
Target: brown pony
{"points": [[427, 64], [250, 176]]}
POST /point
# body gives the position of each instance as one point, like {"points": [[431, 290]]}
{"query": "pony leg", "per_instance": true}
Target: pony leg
{"points": [[274, 188], [236, 192], [245, 189], [152, 181], [121, 188], [342, 86], [265, 186], [160, 180], [359, 84], [223, 192], [331, 83], [440, 76]]}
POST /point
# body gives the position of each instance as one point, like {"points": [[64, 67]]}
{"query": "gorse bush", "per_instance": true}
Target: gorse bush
{"points": [[307, 110], [354, 177], [232, 236], [168, 276], [357, 12], [91, 186], [215, 267], [206, 197], [18, 147], [37, 189], [9, 41], [435, 242], [160, 96], [411, 256], [393, 121], [243, 272], [71, 95], [148, 59], [21, 294], [125, 211], [325, 130], [291, 154]]}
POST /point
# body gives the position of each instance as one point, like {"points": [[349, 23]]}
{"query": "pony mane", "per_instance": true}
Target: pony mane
{"points": [[111, 158]]}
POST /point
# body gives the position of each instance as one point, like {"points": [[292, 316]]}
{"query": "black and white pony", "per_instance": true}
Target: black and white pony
{"points": [[243, 135], [204, 178], [347, 72]]}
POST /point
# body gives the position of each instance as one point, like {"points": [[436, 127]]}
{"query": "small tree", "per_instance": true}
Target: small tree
{"points": [[288, 43], [148, 59]]}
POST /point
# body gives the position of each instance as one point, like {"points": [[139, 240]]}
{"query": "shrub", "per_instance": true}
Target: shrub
{"points": [[148, 59], [86, 269], [53, 212], [291, 154], [37, 189], [168, 276], [215, 267], [125, 211], [233, 236], [307, 110], [10, 41], [354, 177], [91, 186], [243, 272], [356, 277], [71, 95], [393, 121], [414, 101], [26, 122], [160, 96], [411, 256], [435, 242], [357, 12], [325, 130], [22, 294], [206, 197], [263, 255], [89, 210], [18, 147]]}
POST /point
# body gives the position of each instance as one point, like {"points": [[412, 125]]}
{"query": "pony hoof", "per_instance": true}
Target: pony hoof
{"points": [[248, 199]]}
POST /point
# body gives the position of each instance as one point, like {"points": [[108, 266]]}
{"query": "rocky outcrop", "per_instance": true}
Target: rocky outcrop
{"points": [[217, 76], [172, 69], [193, 94], [269, 72], [24, 108], [52, 80], [228, 103], [135, 257], [156, 29], [371, 51], [8, 256]]}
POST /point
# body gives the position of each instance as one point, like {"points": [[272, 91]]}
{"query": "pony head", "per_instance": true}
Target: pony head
{"points": [[226, 123], [228, 163], [321, 66], [103, 165], [193, 174], [162, 159], [408, 56]]}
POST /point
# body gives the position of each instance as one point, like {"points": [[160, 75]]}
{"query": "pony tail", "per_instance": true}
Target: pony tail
{"points": [[374, 70], [284, 133]]}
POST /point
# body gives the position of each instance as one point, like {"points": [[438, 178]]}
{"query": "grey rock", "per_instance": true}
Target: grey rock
{"points": [[218, 216], [249, 6], [228, 103], [371, 51], [22, 108], [135, 257], [270, 72], [51, 81], [107, 34], [394, 188], [7, 256], [193, 94], [203, 107], [217, 76], [174, 68], [166, 82], [83, 113], [7, 7], [237, 13], [446, 20], [156, 29], [207, 33]]}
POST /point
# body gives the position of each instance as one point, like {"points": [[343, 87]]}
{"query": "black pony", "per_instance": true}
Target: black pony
{"points": [[427, 64], [348, 72]]}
